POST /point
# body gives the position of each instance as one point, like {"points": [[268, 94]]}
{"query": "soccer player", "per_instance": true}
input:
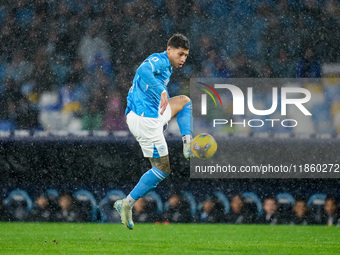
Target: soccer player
{"points": [[149, 108]]}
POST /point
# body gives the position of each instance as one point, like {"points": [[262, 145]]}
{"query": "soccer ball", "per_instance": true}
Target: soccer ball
{"points": [[203, 146]]}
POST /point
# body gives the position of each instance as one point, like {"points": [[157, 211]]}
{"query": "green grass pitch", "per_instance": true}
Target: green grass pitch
{"points": [[49, 238]]}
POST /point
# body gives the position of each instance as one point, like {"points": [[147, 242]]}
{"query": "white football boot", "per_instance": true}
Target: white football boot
{"points": [[125, 212]]}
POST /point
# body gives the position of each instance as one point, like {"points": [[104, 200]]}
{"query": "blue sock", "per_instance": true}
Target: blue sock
{"points": [[184, 119], [148, 181]]}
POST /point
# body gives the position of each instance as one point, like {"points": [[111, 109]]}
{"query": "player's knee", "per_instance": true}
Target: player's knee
{"points": [[185, 99]]}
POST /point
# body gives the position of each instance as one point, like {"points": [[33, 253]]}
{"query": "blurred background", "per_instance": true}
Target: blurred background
{"points": [[66, 67]]}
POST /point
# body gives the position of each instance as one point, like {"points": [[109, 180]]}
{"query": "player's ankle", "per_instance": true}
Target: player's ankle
{"points": [[186, 138], [130, 201]]}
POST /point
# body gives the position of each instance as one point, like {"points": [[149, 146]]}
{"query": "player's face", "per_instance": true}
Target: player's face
{"points": [[177, 57]]}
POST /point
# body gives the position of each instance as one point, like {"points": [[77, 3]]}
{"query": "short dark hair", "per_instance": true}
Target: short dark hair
{"points": [[179, 41]]}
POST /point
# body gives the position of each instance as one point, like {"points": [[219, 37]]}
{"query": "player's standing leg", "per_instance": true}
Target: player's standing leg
{"points": [[149, 180]]}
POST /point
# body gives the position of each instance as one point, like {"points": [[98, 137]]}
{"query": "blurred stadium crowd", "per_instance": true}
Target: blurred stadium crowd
{"points": [[179, 207], [67, 65]]}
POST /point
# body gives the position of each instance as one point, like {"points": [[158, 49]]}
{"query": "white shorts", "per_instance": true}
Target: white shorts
{"points": [[149, 133]]}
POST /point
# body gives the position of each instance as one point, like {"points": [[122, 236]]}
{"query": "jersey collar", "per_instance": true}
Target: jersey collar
{"points": [[166, 54]]}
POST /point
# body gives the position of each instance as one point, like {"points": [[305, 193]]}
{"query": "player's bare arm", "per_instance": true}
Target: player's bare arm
{"points": [[164, 102]]}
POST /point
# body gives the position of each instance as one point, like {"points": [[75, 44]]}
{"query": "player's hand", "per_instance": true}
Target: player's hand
{"points": [[164, 102]]}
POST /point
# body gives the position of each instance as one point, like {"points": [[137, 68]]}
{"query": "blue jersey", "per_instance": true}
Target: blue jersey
{"points": [[151, 79]]}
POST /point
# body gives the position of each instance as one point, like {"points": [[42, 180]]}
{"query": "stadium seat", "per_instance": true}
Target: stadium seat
{"points": [[6, 125], [192, 201], [252, 198], [19, 204], [52, 193], [315, 205], [285, 198], [154, 196], [286, 202], [107, 213], [86, 200], [224, 200], [317, 199]]}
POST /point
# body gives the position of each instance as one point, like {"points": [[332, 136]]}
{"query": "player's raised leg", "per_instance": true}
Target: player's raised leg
{"points": [[181, 106]]}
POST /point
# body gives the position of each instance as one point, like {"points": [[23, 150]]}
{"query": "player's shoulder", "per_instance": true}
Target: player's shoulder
{"points": [[159, 55], [159, 59]]}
